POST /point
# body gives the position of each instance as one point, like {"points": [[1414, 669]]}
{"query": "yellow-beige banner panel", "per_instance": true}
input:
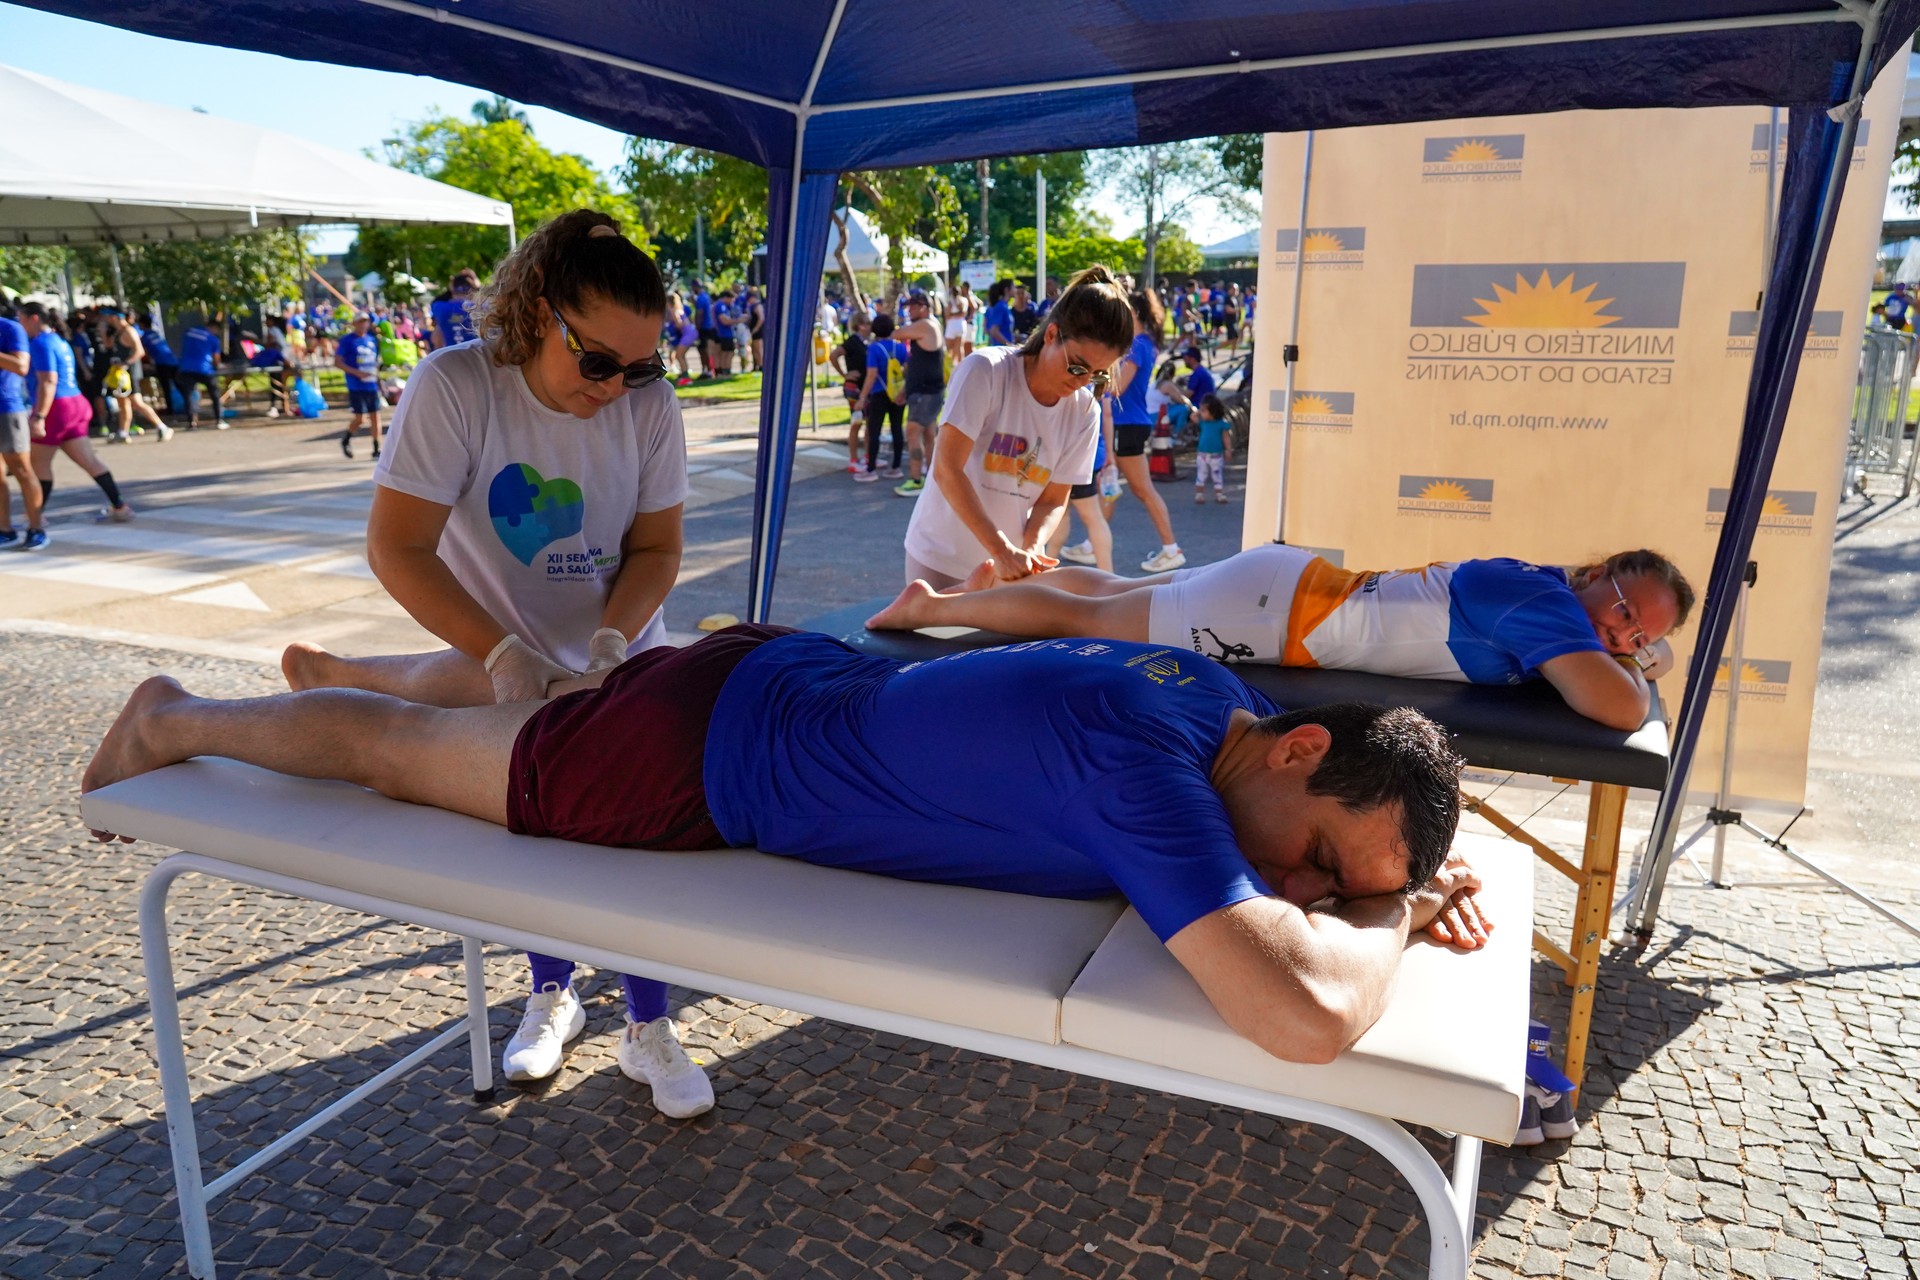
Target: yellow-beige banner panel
{"points": [[1531, 336]]}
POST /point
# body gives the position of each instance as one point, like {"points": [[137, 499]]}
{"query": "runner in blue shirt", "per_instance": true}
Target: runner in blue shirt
{"points": [[999, 316], [453, 314], [59, 414], [16, 362], [358, 356], [199, 356]]}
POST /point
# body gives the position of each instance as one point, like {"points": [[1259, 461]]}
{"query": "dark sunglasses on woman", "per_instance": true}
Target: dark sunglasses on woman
{"points": [[596, 366]]}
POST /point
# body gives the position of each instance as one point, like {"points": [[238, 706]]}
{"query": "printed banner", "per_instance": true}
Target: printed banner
{"points": [[1531, 336]]}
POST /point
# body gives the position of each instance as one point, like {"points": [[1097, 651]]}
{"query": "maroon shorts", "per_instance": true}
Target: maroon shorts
{"points": [[623, 764]]}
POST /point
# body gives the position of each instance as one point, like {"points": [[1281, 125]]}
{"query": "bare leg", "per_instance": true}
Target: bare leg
{"points": [[1030, 607], [21, 470], [1140, 485], [444, 678], [1099, 532], [450, 759]]}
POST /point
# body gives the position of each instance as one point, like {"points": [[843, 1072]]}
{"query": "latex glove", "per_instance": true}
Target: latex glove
{"points": [[520, 673], [607, 649]]}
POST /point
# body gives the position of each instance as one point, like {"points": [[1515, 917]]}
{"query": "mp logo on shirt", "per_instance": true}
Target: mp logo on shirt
{"points": [[1313, 410], [1765, 679], [530, 512], [1485, 157], [1013, 455], [1822, 341], [1446, 497], [1788, 511], [1330, 248]]}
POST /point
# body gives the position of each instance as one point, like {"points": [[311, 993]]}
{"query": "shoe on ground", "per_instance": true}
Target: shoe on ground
{"points": [[1079, 553], [118, 437], [651, 1053], [346, 445], [166, 433], [553, 1017], [220, 426], [1163, 561], [864, 476], [1220, 496], [909, 488], [893, 473], [113, 515], [35, 539], [1199, 495], [1556, 1112], [8, 537], [1529, 1133]]}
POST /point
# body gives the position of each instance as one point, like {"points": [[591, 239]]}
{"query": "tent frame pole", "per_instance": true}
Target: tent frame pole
{"points": [[1644, 901], [1290, 352]]}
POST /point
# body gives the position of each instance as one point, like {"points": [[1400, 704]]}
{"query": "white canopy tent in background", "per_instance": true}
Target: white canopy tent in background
{"points": [[1244, 245], [85, 166], [867, 248]]}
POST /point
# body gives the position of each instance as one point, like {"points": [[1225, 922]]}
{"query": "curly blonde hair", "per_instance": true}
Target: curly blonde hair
{"points": [[562, 265]]}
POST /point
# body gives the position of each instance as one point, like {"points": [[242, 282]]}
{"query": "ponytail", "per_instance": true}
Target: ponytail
{"points": [[1093, 309]]}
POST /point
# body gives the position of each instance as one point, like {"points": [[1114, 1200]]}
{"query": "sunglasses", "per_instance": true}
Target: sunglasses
{"points": [[1637, 637], [1096, 378], [596, 366]]}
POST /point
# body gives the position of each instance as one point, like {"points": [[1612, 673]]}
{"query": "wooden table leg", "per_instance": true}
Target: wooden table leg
{"points": [[1606, 808]]}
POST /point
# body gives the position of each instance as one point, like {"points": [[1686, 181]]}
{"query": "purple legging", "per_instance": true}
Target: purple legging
{"points": [[646, 999]]}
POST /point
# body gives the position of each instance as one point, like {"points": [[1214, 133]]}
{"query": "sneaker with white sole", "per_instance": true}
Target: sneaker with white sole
{"points": [[1556, 1113], [1163, 561], [553, 1017], [1079, 553], [1529, 1134], [864, 476], [651, 1053]]}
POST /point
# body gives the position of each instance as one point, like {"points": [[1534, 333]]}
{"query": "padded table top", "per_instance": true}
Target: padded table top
{"points": [[1526, 728]]}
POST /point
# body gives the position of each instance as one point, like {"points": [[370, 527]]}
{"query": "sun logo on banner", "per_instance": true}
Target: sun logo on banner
{"points": [[1543, 304], [1473, 151], [1774, 507], [1324, 242], [1310, 404], [1750, 674], [1446, 491]]}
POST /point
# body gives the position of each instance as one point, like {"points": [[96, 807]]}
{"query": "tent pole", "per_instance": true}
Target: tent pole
{"points": [[513, 232], [1743, 514], [1290, 353], [1040, 235], [119, 285]]}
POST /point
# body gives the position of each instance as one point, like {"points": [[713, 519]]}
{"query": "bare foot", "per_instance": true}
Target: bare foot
{"points": [[911, 609], [304, 665], [126, 751], [985, 575]]}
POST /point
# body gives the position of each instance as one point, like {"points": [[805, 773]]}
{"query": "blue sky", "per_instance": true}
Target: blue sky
{"points": [[349, 108]]}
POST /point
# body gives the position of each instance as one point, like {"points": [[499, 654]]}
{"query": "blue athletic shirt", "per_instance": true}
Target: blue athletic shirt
{"points": [[999, 316], [453, 321], [13, 387], [1067, 769], [1200, 384], [48, 352], [363, 353], [1130, 406], [159, 354], [199, 348], [703, 310]]}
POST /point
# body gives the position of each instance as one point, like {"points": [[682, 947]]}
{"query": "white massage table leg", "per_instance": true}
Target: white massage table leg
{"points": [[1466, 1182], [174, 1086], [478, 1041]]}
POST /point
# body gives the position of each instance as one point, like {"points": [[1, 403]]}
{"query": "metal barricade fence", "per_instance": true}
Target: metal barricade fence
{"points": [[1877, 437]]}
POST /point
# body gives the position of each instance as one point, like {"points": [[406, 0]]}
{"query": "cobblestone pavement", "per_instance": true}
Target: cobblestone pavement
{"points": [[1749, 1108]]}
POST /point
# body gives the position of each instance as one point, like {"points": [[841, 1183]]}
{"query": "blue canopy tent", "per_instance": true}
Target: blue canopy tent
{"points": [[812, 88]]}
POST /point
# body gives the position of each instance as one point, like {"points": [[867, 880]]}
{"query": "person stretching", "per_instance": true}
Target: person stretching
{"points": [[1596, 633], [1283, 859]]}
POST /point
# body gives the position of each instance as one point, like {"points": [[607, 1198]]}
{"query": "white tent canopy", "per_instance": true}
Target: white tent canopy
{"points": [[94, 166], [1244, 245], [867, 248]]}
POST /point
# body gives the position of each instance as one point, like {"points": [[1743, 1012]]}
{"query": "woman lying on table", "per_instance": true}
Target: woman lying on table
{"points": [[1596, 633]]}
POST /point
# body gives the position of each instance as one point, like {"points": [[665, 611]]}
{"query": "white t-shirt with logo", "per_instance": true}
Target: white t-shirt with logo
{"points": [[541, 500], [1020, 446]]}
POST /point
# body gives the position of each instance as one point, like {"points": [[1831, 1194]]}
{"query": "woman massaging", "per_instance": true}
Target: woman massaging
{"points": [[1597, 633]]}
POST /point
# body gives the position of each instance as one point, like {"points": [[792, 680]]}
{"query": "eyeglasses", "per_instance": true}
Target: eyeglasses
{"points": [[596, 366], [1097, 379], [1636, 637]]}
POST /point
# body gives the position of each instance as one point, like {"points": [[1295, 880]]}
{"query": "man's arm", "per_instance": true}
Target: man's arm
{"points": [[1600, 687], [1304, 985], [16, 361]]}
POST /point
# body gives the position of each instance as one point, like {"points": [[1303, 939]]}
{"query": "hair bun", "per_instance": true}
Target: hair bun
{"points": [[604, 229]]}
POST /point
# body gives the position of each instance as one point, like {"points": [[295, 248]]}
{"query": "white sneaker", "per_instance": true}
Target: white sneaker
{"points": [[1079, 553], [650, 1052], [553, 1017], [166, 433], [1163, 560]]}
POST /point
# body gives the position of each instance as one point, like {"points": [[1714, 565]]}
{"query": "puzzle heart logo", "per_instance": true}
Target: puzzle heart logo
{"points": [[530, 512]]}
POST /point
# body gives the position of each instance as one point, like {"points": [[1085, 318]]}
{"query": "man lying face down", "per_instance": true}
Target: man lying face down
{"points": [[1064, 768]]}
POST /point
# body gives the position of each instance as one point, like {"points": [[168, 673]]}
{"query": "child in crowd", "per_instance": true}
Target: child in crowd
{"points": [[1215, 450]]}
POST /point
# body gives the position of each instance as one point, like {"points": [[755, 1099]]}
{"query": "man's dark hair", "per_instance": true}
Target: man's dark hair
{"points": [[883, 325], [38, 310], [1382, 755]]}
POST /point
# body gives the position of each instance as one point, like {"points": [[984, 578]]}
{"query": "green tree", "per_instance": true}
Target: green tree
{"points": [[230, 273], [30, 268], [670, 182], [1242, 157], [1010, 200], [500, 159], [500, 110], [918, 203], [1178, 255], [1166, 181], [1067, 254]]}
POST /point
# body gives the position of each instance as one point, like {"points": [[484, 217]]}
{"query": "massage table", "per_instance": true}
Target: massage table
{"points": [[1514, 728], [1081, 986]]}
